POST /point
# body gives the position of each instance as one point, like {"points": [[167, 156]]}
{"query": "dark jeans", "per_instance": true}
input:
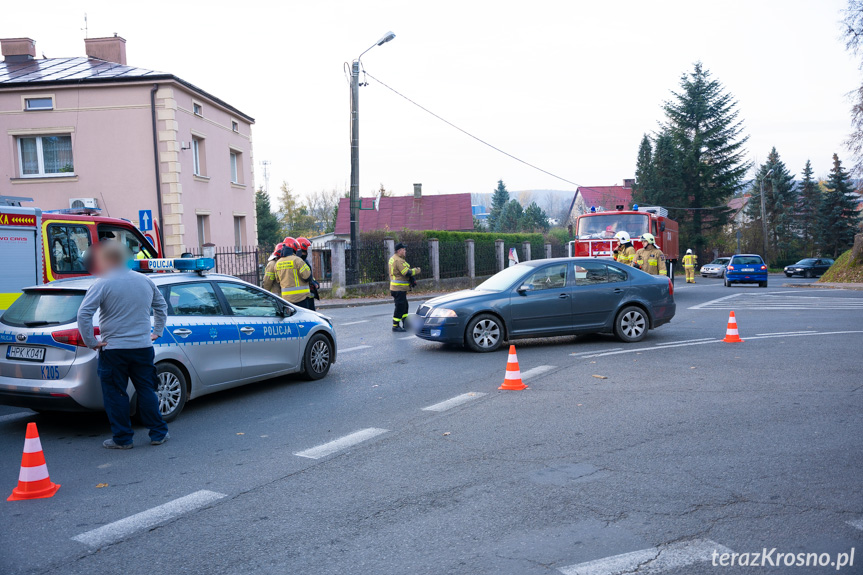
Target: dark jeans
{"points": [[401, 312], [116, 367]]}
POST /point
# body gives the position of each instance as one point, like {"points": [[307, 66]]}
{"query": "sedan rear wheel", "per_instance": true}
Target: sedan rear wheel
{"points": [[171, 390], [318, 357], [484, 333], [808, 274], [631, 324]]}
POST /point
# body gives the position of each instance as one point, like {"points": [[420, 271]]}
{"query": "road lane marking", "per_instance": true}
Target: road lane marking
{"points": [[113, 532], [407, 337], [788, 332], [354, 348], [540, 369], [653, 560], [856, 524], [711, 302], [16, 416], [766, 301], [595, 351], [686, 341], [341, 443], [450, 403], [354, 322]]}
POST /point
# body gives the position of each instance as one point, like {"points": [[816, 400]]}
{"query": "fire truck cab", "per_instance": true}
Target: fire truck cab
{"points": [[594, 232], [37, 247]]}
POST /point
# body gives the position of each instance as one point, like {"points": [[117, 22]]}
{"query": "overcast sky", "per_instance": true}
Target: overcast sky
{"points": [[568, 85]]}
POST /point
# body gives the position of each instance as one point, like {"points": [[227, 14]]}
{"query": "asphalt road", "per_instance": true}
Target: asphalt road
{"points": [[687, 445]]}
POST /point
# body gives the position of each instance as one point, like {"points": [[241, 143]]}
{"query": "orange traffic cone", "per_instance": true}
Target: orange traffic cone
{"points": [[33, 480], [731, 334], [512, 380]]}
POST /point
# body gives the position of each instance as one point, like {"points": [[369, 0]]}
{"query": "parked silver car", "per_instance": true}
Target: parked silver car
{"points": [[715, 269], [221, 332]]}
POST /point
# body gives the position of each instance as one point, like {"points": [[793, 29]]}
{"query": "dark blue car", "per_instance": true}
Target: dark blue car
{"points": [[550, 297], [746, 269]]}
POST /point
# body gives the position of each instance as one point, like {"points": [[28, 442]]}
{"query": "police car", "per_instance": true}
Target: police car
{"points": [[221, 332]]}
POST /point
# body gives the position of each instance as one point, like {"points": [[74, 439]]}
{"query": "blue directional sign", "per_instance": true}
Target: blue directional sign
{"points": [[145, 220]]}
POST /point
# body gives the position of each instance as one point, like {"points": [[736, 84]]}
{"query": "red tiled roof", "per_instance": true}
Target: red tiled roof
{"points": [[450, 212]]}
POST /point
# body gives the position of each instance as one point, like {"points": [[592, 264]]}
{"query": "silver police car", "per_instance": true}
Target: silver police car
{"points": [[221, 332]]}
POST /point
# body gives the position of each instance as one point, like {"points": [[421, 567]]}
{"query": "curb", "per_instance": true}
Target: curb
{"points": [[850, 286]]}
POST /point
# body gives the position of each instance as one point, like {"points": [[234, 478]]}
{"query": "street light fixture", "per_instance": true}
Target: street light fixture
{"points": [[763, 214], [355, 156]]}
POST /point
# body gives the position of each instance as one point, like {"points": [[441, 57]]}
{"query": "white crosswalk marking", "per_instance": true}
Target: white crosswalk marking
{"points": [[653, 560], [782, 302]]}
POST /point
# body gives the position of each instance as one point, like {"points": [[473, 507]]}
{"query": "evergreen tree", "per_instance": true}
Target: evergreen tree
{"points": [[643, 171], [510, 218], [295, 218], [838, 218], [269, 233], [702, 121], [498, 201], [667, 189], [780, 204], [809, 202], [534, 219]]}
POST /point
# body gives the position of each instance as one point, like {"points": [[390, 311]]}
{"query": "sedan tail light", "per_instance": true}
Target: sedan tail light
{"points": [[729, 268], [71, 337], [670, 287], [763, 267]]}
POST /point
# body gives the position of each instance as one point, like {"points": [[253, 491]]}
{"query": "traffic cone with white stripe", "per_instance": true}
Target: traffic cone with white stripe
{"points": [[731, 334], [512, 380], [33, 480]]}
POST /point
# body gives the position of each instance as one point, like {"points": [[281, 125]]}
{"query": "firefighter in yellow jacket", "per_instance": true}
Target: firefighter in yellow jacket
{"points": [[690, 260], [293, 275], [400, 280], [625, 252], [650, 258], [271, 283]]}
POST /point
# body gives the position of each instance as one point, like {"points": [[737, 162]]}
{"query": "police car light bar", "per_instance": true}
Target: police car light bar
{"points": [[199, 265]]}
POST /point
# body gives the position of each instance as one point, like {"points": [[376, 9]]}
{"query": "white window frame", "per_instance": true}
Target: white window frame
{"points": [[235, 167], [235, 126], [29, 108], [196, 156], [198, 109], [40, 158], [203, 221], [239, 222]]}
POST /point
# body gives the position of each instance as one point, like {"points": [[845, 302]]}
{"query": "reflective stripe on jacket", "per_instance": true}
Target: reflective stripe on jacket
{"points": [[293, 275], [270, 282], [625, 255], [651, 260], [400, 273], [690, 260]]}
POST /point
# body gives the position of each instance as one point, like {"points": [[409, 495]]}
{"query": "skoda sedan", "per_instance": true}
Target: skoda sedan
{"points": [[549, 297], [221, 332]]}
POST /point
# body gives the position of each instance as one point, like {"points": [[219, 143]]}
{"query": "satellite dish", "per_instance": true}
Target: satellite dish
{"points": [[378, 202]]}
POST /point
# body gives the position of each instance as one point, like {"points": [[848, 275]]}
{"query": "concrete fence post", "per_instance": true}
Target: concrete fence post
{"points": [[501, 255], [209, 251], [391, 247], [548, 250], [569, 249], [525, 247], [337, 260], [470, 253], [434, 259]]}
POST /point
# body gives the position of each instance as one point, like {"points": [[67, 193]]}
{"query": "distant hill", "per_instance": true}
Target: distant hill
{"points": [[554, 202]]}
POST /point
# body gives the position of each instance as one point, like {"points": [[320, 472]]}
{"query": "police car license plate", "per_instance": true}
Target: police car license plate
{"points": [[748, 270], [25, 353]]}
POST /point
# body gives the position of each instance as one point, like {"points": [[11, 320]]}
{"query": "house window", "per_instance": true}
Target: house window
{"points": [[199, 156], [197, 109], [236, 167], [40, 156], [235, 126], [239, 225], [203, 230], [45, 103]]}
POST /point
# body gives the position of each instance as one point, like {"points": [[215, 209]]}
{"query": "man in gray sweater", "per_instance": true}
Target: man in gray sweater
{"points": [[124, 299]]}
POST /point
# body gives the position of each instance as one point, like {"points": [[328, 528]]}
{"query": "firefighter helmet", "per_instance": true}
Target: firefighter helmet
{"points": [[648, 239], [623, 236], [304, 243], [291, 243], [278, 248], [688, 251]]}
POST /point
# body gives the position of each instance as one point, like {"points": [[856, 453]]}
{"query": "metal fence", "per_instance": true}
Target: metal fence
{"points": [[485, 259], [245, 262], [558, 251], [452, 257]]}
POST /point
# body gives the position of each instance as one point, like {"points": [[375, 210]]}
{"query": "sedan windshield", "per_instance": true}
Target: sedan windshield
{"points": [[806, 262], [504, 279], [719, 262]]}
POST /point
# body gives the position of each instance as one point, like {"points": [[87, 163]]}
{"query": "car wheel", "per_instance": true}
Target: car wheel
{"points": [[171, 390], [631, 324], [788, 275], [484, 333], [727, 283], [808, 274], [318, 357], [762, 284]]}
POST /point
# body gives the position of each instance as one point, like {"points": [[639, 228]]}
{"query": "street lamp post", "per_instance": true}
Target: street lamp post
{"points": [[355, 157], [764, 215]]}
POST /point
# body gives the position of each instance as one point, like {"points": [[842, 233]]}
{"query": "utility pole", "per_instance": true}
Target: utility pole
{"points": [[764, 214]]}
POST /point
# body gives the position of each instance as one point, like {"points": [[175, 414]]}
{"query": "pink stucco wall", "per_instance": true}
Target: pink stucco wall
{"points": [[112, 141]]}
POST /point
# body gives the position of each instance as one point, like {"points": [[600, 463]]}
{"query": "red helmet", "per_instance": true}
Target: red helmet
{"points": [[304, 243], [291, 243], [278, 248]]}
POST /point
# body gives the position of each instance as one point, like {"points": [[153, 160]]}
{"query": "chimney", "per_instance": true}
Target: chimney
{"points": [[112, 49], [18, 49], [628, 182], [418, 191]]}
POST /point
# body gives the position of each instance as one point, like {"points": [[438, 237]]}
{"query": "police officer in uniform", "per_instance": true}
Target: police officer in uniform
{"points": [[304, 245], [650, 258], [625, 251], [293, 275], [270, 280], [690, 260], [400, 280]]}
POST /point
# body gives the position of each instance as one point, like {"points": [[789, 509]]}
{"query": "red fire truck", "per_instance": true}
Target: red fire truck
{"points": [[594, 232], [37, 247]]}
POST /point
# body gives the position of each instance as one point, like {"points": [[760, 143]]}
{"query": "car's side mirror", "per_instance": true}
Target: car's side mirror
{"points": [[285, 310], [662, 226], [524, 288]]}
